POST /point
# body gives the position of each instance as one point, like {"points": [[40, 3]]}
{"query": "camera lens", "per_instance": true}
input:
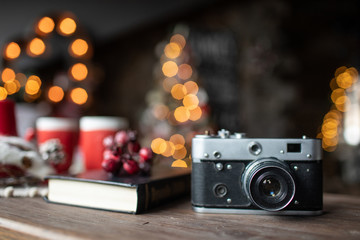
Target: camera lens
{"points": [[270, 187], [269, 184]]}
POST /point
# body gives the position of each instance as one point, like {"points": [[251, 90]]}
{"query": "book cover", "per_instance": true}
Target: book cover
{"points": [[133, 194]]}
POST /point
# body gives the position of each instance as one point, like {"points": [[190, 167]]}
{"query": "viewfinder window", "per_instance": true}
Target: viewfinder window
{"points": [[294, 147]]}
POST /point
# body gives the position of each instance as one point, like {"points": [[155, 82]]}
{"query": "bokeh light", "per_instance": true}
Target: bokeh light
{"points": [[181, 114], [160, 111], [12, 86], [177, 139], [79, 96], [342, 103], [167, 148], [79, 47], [339, 92], [156, 145], [12, 50], [67, 26], [339, 70], [180, 152], [179, 163], [170, 68], [191, 101], [45, 25], [168, 83], [36, 47], [79, 71], [3, 93], [185, 71], [195, 114], [344, 80], [179, 39], [7, 75], [178, 91], [33, 84], [56, 94], [191, 87], [172, 50]]}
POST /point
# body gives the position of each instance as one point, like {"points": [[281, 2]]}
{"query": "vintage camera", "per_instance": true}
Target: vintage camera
{"points": [[236, 174]]}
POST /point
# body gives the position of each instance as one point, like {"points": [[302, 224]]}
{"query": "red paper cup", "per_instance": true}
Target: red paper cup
{"points": [[7, 118], [64, 129], [92, 132]]}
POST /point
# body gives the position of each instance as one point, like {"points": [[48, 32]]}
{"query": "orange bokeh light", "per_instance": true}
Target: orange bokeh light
{"points": [[177, 139], [79, 47], [191, 87], [167, 148], [56, 94], [32, 87], [12, 86], [180, 152], [179, 39], [45, 25], [172, 50], [12, 50], [179, 163], [7, 75], [191, 101], [67, 26], [178, 91], [36, 47], [3, 93], [185, 71], [181, 114], [79, 71], [195, 114], [170, 68], [79, 96], [155, 145]]}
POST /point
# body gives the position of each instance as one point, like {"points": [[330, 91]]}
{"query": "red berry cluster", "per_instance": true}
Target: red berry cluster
{"points": [[123, 155]]}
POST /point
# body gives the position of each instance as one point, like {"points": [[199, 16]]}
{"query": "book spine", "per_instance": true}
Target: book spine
{"points": [[162, 191]]}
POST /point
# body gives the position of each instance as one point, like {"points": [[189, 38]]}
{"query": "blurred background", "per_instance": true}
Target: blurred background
{"points": [[267, 68]]}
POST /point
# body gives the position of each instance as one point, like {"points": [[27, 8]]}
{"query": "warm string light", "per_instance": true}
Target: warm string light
{"points": [[331, 128], [36, 47], [56, 94], [79, 96], [45, 25], [12, 51], [78, 48], [79, 71], [67, 26]]}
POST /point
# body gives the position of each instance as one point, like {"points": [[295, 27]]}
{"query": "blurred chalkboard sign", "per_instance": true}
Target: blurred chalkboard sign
{"points": [[216, 55]]}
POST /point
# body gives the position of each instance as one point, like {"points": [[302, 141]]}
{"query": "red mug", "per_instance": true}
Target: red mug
{"points": [[93, 129], [64, 129], [7, 118]]}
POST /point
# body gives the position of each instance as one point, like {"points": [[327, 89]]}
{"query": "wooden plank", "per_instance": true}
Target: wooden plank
{"points": [[341, 219]]}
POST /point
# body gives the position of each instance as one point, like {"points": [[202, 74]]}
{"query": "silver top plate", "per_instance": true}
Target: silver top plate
{"points": [[216, 148]]}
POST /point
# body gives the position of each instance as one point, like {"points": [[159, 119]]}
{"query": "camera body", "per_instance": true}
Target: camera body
{"points": [[236, 174]]}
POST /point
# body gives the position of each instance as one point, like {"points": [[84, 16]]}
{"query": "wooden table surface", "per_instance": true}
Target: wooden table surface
{"points": [[33, 218]]}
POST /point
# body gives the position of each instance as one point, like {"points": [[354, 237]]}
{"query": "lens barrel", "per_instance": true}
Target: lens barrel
{"points": [[269, 184]]}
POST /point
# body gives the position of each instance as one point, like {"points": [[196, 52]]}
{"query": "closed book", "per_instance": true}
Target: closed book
{"points": [[135, 194]]}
